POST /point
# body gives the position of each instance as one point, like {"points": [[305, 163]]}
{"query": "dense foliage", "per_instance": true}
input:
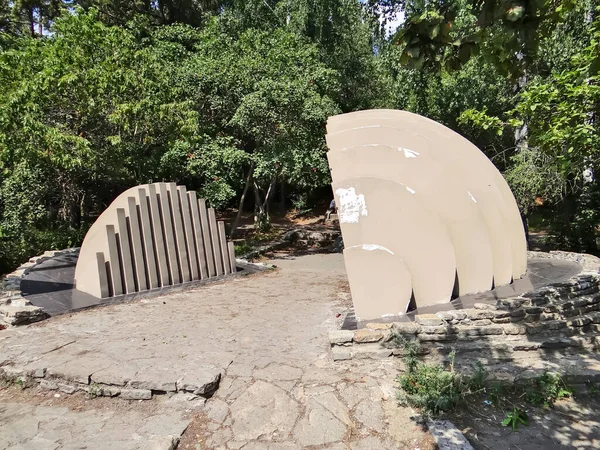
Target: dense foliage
{"points": [[231, 97]]}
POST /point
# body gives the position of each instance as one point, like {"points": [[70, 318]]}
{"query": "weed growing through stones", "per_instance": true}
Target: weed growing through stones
{"points": [[437, 388], [546, 390], [434, 388], [514, 417], [21, 382], [95, 390], [593, 390]]}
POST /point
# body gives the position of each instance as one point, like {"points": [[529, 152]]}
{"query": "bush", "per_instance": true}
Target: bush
{"points": [[434, 388], [14, 251]]}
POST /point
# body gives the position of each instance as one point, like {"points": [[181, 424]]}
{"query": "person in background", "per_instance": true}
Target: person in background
{"points": [[332, 209]]}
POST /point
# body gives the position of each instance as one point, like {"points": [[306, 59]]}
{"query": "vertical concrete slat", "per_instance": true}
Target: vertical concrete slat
{"points": [[167, 222], [158, 235], [231, 251], [214, 239], [148, 239], [205, 224], [223, 246], [125, 250], [182, 254], [136, 245], [113, 261], [198, 239], [102, 275], [189, 232]]}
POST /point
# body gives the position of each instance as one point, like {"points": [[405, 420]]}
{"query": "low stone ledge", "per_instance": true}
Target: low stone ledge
{"points": [[16, 310], [203, 384]]}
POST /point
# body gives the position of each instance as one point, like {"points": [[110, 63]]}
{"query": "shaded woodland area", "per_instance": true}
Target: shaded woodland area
{"points": [[231, 97]]}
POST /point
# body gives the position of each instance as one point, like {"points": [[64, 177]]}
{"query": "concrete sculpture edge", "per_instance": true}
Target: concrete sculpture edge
{"points": [[152, 236], [438, 206]]}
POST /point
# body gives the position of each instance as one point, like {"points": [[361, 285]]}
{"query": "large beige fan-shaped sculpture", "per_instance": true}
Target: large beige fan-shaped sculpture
{"points": [[152, 236], [449, 219]]}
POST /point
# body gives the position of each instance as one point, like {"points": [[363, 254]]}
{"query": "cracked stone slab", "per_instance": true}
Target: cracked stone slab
{"points": [[278, 372], [320, 425], [370, 414], [216, 410], [200, 382], [26, 426], [263, 409]]}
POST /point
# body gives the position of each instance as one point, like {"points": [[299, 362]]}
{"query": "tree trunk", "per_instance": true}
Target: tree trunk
{"points": [[258, 211], [282, 197], [267, 203], [261, 213], [31, 22], [236, 222]]}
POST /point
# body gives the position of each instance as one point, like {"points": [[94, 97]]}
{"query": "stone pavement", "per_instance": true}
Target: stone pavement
{"points": [[264, 337], [29, 423]]}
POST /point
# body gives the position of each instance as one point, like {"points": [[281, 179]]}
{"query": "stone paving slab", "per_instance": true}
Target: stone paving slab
{"points": [[265, 334], [38, 427]]}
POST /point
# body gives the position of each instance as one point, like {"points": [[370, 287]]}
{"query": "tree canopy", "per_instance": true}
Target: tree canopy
{"points": [[232, 96]]}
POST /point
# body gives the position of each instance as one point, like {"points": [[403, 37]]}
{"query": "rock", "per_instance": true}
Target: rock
{"points": [[501, 320], [556, 343], [478, 314], [436, 337], [154, 385], [136, 394], [501, 314], [447, 436], [453, 315], [39, 373], [108, 391], [484, 306], [379, 326], [371, 351], [442, 329], [480, 331], [513, 329], [22, 315], [517, 313], [47, 384], [579, 322], [202, 382], [67, 389], [262, 410], [481, 322], [338, 245], [407, 327], [526, 347], [340, 336], [428, 319], [366, 335], [341, 353]]}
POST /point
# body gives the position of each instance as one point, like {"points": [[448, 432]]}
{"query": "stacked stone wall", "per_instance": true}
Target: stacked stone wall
{"points": [[14, 308], [563, 317]]}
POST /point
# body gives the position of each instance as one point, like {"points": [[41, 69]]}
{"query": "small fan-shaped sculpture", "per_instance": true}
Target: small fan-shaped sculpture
{"points": [[424, 213], [152, 236]]}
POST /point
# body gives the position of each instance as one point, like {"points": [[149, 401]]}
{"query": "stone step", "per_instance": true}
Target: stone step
{"points": [[21, 313]]}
